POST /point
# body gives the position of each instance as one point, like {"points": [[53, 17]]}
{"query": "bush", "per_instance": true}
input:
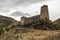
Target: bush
{"points": [[46, 25], [7, 29], [1, 31]]}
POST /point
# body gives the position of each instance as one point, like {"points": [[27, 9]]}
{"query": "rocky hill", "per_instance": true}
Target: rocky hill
{"points": [[57, 21], [40, 30], [6, 21]]}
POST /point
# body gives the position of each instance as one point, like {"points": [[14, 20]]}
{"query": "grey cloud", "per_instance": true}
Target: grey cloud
{"points": [[4, 10], [15, 3], [28, 2], [10, 3], [17, 13]]}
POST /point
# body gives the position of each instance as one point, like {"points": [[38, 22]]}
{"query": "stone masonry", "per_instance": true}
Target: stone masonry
{"points": [[44, 15]]}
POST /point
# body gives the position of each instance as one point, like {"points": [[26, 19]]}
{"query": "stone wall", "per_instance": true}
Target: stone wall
{"points": [[44, 13], [30, 19], [33, 19]]}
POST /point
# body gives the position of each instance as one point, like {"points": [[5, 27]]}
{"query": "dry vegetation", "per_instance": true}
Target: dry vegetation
{"points": [[48, 30], [33, 34]]}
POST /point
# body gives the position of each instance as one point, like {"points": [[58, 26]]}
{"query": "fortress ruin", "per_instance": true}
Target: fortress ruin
{"points": [[44, 15]]}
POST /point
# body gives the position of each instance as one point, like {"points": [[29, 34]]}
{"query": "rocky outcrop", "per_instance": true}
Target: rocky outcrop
{"points": [[6, 21]]}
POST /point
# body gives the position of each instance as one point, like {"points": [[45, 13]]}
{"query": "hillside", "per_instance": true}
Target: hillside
{"points": [[6, 21], [31, 34], [57, 21], [40, 30], [42, 25]]}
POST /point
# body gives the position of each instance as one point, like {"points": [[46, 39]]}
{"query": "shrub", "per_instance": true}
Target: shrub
{"points": [[1, 31], [7, 29], [7, 22], [46, 25]]}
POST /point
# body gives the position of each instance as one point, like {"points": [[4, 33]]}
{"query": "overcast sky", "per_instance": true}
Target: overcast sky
{"points": [[18, 8]]}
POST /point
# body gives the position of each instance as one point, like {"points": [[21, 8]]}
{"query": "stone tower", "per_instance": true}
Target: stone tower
{"points": [[44, 13]]}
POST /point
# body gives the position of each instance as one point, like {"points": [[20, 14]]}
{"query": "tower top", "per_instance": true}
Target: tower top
{"points": [[44, 6]]}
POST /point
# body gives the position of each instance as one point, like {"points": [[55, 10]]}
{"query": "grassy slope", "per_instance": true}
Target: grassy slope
{"points": [[34, 35]]}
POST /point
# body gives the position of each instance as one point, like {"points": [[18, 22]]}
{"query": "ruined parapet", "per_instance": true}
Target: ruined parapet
{"points": [[23, 20], [44, 13]]}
